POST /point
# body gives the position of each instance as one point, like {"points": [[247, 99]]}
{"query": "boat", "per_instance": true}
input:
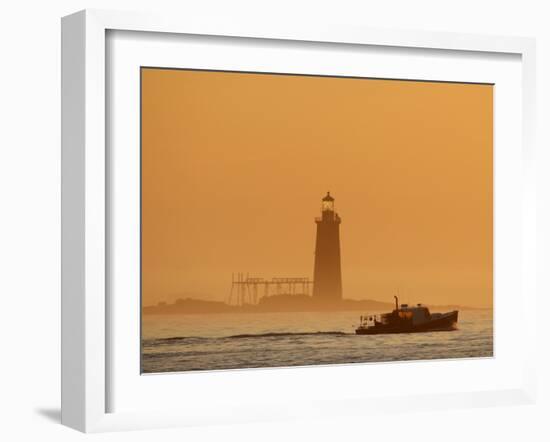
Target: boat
{"points": [[406, 319]]}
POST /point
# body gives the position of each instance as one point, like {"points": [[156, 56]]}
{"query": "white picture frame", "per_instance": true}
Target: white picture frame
{"points": [[86, 202]]}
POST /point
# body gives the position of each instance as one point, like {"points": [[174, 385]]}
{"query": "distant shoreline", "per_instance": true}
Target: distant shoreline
{"points": [[282, 303]]}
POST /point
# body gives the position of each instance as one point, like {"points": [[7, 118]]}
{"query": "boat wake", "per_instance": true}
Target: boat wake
{"points": [[176, 339], [282, 334]]}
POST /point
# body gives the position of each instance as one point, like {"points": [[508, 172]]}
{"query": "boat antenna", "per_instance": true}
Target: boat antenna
{"points": [[396, 302]]}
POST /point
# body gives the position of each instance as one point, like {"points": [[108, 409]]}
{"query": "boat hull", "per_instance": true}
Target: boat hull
{"points": [[445, 322]]}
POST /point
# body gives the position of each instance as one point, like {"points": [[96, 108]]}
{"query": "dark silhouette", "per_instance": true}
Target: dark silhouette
{"points": [[327, 273]]}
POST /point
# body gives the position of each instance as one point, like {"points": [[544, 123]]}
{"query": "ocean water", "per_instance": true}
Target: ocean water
{"points": [[250, 340]]}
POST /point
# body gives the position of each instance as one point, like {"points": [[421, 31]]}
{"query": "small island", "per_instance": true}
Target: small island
{"points": [[274, 303]]}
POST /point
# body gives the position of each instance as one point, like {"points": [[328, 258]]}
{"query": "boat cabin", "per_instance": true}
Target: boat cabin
{"points": [[417, 314], [414, 315]]}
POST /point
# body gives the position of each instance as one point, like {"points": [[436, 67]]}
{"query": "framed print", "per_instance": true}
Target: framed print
{"points": [[262, 223]]}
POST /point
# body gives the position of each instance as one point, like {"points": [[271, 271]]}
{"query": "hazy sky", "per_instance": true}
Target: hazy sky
{"points": [[234, 167]]}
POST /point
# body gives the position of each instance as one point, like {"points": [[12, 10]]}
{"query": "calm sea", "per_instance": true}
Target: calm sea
{"points": [[226, 341]]}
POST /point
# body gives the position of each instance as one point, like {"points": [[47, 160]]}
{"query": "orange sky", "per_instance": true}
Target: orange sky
{"points": [[234, 167]]}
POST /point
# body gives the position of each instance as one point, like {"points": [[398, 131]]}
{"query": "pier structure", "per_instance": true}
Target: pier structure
{"points": [[246, 290]]}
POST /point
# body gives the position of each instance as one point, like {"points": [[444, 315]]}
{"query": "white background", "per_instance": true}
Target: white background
{"points": [[30, 215]]}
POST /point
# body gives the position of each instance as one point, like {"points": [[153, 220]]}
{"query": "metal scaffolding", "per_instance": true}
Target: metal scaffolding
{"points": [[247, 290]]}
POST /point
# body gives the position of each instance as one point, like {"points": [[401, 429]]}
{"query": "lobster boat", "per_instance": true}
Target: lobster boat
{"points": [[406, 319]]}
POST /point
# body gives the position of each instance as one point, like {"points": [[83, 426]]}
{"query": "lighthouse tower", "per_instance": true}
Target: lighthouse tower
{"points": [[327, 274]]}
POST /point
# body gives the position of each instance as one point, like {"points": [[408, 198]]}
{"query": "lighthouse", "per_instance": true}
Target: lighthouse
{"points": [[327, 273]]}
